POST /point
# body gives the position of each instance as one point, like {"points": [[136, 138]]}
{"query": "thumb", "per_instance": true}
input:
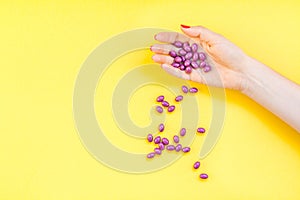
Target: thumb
{"points": [[202, 33]]}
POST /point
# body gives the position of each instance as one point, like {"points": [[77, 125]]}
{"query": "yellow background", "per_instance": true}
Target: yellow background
{"points": [[44, 43]]}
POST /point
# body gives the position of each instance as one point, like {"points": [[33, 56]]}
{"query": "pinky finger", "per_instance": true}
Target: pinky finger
{"points": [[175, 72]]}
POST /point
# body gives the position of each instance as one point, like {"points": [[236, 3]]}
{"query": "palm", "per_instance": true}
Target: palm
{"points": [[224, 57]]}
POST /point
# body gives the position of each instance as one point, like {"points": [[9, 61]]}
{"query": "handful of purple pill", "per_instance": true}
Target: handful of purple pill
{"points": [[188, 58]]}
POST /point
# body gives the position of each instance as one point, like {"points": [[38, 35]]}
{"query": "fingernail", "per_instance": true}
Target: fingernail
{"points": [[185, 26], [150, 48], [155, 36]]}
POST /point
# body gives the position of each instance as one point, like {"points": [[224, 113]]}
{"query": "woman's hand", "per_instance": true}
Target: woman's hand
{"points": [[226, 59]]}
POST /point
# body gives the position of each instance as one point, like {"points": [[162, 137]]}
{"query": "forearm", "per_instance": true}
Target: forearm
{"points": [[273, 91]]}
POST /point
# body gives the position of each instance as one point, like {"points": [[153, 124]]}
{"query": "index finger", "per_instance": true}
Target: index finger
{"points": [[171, 37]]}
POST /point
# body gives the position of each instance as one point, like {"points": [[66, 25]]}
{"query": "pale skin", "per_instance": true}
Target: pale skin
{"points": [[237, 71]]}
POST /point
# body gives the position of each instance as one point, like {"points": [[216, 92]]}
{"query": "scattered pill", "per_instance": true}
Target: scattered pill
{"points": [[150, 137], [183, 132], [159, 109], [203, 176], [160, 98], [157, 140], [170, 147], [176, 139], [193, 90], [165, 104], [201, 130], [196, 165], [161, 146], [157, 151], [161, 127], [184, 89], [171, 108], [165, 141], [179, 98], [178, 147], [186, 149], [151, 155]]}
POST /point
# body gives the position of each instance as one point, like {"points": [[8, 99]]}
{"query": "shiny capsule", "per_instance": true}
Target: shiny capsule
{"points": [[182, 67], [151, 155], [160, 98], [157, 151], [157, 140], [178, 147], [178, 59], [201, 130], [179, 98], [186, 149], [184, 89], [189, 55], [175, 138], [187, 48], [183, 132], [150, 137], [173, 54], [202, 56], [188, 70], [202, 64], [161, 146], [187, 63], [159, 109], [161, 127], [165, 141], [171, 108], [170, 147], [193, 90], [196, 165], [177, 44], [195, 56], [207, 68], [175, 64], [203, 176], [182, 52], [185, 44], [165, 104], [194, 65], [194, 47]]}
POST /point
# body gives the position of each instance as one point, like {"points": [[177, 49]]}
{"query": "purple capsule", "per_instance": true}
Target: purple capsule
{"points": [[171, 108], [175, 138], [165, 104], [196, 165], [175, 64], [202, 56], [157, 140], [183, 132], [160, 98], [184, 89], [177, 59], [181, 52], [165, 141], [187, 48], [193, 90], [161, 146], [177, 44], [159, 109], [170, 147], [157, 151], [195, 56], [161, 127], [187, 63], [178, 147], [182, 67], [151, 155], [194, 47], [189, 55], [150, 137], [179, 98], [194, 65], [183, 58], [188, 70], [202, 64], [203, 176], [186, 149], [173, 54], [201, 130], [207, 68], [185, 44]]}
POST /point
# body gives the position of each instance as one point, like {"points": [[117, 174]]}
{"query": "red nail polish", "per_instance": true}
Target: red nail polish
{"points": [[185, 26]]}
